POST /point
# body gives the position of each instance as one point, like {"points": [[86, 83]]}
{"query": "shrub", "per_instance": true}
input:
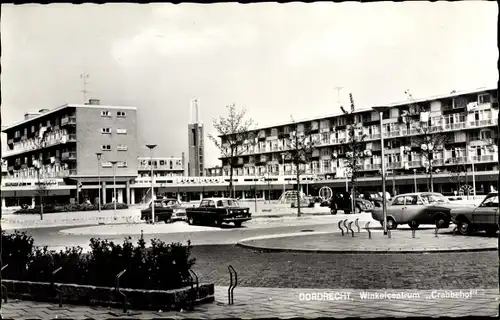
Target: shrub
{"points": [[86, 207], [111, 206], [161, 267]]}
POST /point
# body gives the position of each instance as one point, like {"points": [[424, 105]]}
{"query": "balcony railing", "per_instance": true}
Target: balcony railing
{"points": [[68, 156], [29, 145], [71, 120], [394, 165]]}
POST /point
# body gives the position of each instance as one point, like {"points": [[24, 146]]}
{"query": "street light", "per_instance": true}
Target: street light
{"points": [[283, 159], [381, 110], [151, 147], [98, 154], [473, 173], [113, 163]]}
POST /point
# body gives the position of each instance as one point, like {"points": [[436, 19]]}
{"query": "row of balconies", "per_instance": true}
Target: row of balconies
{"points": [[30, 145], [29, 174], [159, 167], [402, 132]]}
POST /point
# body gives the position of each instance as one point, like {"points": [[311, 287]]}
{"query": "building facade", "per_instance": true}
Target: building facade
{"points": [[59, 148], [467, 122], [196, 145]]}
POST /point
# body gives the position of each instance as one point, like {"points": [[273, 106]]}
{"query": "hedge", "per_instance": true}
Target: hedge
{"points": [[160, 267], [71, 208]]}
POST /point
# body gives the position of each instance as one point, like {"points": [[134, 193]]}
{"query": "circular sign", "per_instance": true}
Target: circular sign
{"points": [[325, 193]]}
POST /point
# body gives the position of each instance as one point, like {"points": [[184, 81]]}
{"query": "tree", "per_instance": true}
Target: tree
{"points": [[299, 149], [356, 147], [234, 131], [42, 185], [458, 172], [429, 142]]}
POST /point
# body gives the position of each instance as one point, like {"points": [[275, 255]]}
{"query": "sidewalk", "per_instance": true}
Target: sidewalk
{"points": [[293, 303]]}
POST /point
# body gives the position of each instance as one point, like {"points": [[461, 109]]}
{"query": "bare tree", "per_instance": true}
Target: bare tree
{"points": [[429, 142], [299, 149], [42, 185], [356, 147], [234, 131], [458, 172]]}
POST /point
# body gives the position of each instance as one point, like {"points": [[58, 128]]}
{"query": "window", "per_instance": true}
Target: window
{"points": [[105, 130], [25, 131], [122, 164], [32, 129], [122, 147], [106, 147], [121, 114], [106, 164], [162, 162], [399, 201], [411, 200], [483, 98], [121, 131], [105, 114], [491, 201]]}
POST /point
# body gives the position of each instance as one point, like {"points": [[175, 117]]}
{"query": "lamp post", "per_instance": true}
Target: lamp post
{"points": [[415, 180], [151, 147], [381, 110], [283, 160], [113, 163], [98, 154], [473, 174]]}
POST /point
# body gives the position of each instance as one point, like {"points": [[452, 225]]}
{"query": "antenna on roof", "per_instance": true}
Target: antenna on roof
{"points": [[84, 77], [338, 94]]}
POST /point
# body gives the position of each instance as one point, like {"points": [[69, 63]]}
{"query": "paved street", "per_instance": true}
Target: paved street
{"points": [[292, 303]]}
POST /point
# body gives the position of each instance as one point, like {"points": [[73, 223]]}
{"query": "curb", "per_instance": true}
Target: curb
{"points": [[245, 244]]}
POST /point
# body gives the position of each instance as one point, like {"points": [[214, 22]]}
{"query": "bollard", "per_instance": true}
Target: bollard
{"points": [[230, 290], [59, 293], [350, 229], [436, 232], [455, 230], [367, 227], [389, 233], [413, 228], [357, 224], [413, 233], [340, 227]]}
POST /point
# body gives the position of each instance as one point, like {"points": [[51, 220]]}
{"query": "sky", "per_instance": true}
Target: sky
{"points": [[275, 60]]}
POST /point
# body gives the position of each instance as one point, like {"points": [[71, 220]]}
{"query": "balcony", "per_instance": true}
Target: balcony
{"points": [[65, 156], [485, 158], [375, 166], [394, 165], [29, 145], [10, 141], [415, 164], [68, 121]]}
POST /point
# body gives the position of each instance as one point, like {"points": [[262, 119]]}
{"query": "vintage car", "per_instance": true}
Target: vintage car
{"points": [[471, 218], [344, 203], [415, 209], [167, 210], [216, 211]]}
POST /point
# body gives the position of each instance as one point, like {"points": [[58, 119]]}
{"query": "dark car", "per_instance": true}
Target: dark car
{"points": [[167, 210], [343, 202], [216, 211], [469, 218]]}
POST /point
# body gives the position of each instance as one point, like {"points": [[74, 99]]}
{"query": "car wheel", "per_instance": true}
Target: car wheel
{"points": [[391, 224], [464, 227], [237, 224], [440, 222], [191, 221], [333, 211]]}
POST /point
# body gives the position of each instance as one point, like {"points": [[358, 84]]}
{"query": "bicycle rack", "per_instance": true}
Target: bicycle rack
{"points": [[4, 288], [356, 222], [193, 293], [367, 228], [117, 289], [350, 229], [230, 290], [345, 224], [340, 227], [53, 285]]}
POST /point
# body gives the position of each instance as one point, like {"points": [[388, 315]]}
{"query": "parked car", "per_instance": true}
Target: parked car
{"points": [[344, 203], [167, 210], [420, 208], [469, 218], [216, 211]]}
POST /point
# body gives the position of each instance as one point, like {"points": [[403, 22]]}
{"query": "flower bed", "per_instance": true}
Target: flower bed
{"points": [[162, 269], [71, 208]]}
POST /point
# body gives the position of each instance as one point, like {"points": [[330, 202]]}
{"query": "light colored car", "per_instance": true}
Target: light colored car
{"points": [[415, 209], [471, 218]]}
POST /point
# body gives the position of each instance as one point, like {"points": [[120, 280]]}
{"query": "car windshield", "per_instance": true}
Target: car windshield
{"points": [[434, 198], [490, 201], [227, 203]]}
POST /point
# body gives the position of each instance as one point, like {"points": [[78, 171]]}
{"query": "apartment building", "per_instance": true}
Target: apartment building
{"points": [[468, 120], [60, 146], [213, 171]]}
